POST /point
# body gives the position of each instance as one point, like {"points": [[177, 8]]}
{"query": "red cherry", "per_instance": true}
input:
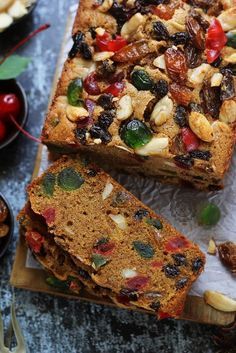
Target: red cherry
{"points": [[190, 140], [3, 131], [9, 104]]}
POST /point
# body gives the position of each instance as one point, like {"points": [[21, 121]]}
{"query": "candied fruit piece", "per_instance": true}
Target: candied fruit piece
{"points": [[137, 282], [135, 133], [145, 250], [48, 183], [171, 270], [98, 261], [69, 179], [176, 243], [209, 215]]}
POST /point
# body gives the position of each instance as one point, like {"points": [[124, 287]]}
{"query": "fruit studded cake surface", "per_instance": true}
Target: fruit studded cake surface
{"points": [[82, 225], [149, 87]]}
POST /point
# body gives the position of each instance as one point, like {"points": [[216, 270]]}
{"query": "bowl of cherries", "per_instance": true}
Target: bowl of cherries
{"points": [[13, 111]]}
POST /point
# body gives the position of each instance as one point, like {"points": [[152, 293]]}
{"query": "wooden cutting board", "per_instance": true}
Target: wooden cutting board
{"points": [[34, 279]]}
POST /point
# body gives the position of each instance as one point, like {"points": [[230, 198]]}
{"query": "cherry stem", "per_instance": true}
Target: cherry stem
{"points": [[20, 128], [23, 41]]}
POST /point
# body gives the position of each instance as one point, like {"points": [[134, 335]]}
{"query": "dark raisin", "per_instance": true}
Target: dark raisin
{"points": [[82, 273], [217, 62], [160, 31], [93, 32], [195, 32], [180, 259], [155, 305], [227, 87], [105, 101], [181, 283], [105, 69], [120, 198], [184, 161], [160, 89], [211, 100], [92, 172], [203, 23], [195, 107], [193, 56], [181, 116], [129, 294], [80, 46], [140, 214], [97, 132], [85, 51], [226, 69], [204, 155], [105, 119], [80, 134], [171, 270], [121, 13], [197, 264], [179, 38]]}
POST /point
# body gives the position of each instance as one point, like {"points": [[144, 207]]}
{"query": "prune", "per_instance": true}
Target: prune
{"points": [[180, 38], [181, 94], [181, 283], [140, 214], [160, 89], [176, 64], [181, 116], [160, 31], [204, 155], [210, 97], [180, 259], [171, 270], [155, 305], [197, 264], [227, 87], [105, 101], [184, 161], [105, 69], [193, 56], [105, 119], [97, 131], [80, 134]]}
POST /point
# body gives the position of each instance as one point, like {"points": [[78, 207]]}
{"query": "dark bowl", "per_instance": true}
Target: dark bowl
{"points": [[12, 86], [5, 241]]}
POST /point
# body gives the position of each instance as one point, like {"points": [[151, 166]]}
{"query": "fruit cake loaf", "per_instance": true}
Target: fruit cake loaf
{"points": [[126, 247], [149, 87]]}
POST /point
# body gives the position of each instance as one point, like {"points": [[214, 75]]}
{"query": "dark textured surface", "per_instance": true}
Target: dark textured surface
{"points": [[54, 325]]}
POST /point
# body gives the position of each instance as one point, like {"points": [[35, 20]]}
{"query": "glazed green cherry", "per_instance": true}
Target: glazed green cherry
{"points": [[231, 39], [74, 92], [209, 215], [141, 80], [135, 133]]}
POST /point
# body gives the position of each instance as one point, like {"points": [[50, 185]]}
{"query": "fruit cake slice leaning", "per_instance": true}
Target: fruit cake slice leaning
{"points": [[151, 89], [124, 245]]}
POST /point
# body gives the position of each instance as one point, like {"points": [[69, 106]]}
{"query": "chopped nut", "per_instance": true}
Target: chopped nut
{"points": [[107, 191], [4, 230], [227, 253], [156, 146], [201, 126], [179, 26], [129, 273], [216, 79], [228, 111], [17, 10], [196, 76], [160, 62], [219, 301], [228, 19], [106, 5], [162, 111], [75, 113], [125, 108], [132, 25], [119, 220], [211, 247], [97, 141], [104, 55], [100, 31]]}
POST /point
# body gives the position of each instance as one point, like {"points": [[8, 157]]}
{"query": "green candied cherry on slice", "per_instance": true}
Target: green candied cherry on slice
{"points": [[231, 39], [69, 179], [145, 250], [209, 215], [74, 92], [48, 184], [135, 133], [155, 223], [98, 261], [54, 282], [141, 80]]}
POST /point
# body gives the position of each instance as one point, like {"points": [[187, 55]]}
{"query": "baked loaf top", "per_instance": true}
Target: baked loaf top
{"points": [[153, 79], [123, 244]]}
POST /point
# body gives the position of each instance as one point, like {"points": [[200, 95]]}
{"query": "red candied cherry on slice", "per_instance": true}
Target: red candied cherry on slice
{"points": [[103, 247], [115, 88], [91, 84], [3, 131], [157, 264], [9, 104], [176, 243], [49, 214], [116, 44], [35, 241], [126, 295], [190, 140], [137, 282], [102, 41]]}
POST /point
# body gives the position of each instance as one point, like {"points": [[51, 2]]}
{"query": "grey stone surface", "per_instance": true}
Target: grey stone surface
{"points": [[55, 325]]}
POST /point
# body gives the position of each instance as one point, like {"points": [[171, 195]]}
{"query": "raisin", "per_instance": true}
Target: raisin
{"points": [[217, 62], [226, 69], [129, 294], [227, 87], [181, 116], [80, 134], [197, 264], [171, 270], [105, 119], [93, 32], [80, 46], [181, 283], [204, 155], [160, 89], [105, 69], [180, 259], [92, 172], [155, 305], [160, 31], [193, 56], [195, 32], [176, 64], [105, 101], [181, 94], [82, 273], [211, 100], [202, 22], [121, 13], [184, 161], [140, 214], [97, 132], [85, 51], [195, 107], [180, 38]]}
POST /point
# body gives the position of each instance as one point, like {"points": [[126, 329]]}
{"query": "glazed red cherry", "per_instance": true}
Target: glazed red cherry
{"points": [[3, 131], [9, 104]]}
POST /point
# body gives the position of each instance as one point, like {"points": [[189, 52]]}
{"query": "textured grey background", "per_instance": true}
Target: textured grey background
{"points": [[54, 325]]}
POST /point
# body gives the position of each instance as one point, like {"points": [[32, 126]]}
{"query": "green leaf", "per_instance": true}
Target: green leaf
{"points": [[13, 67], [145, 250]]}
